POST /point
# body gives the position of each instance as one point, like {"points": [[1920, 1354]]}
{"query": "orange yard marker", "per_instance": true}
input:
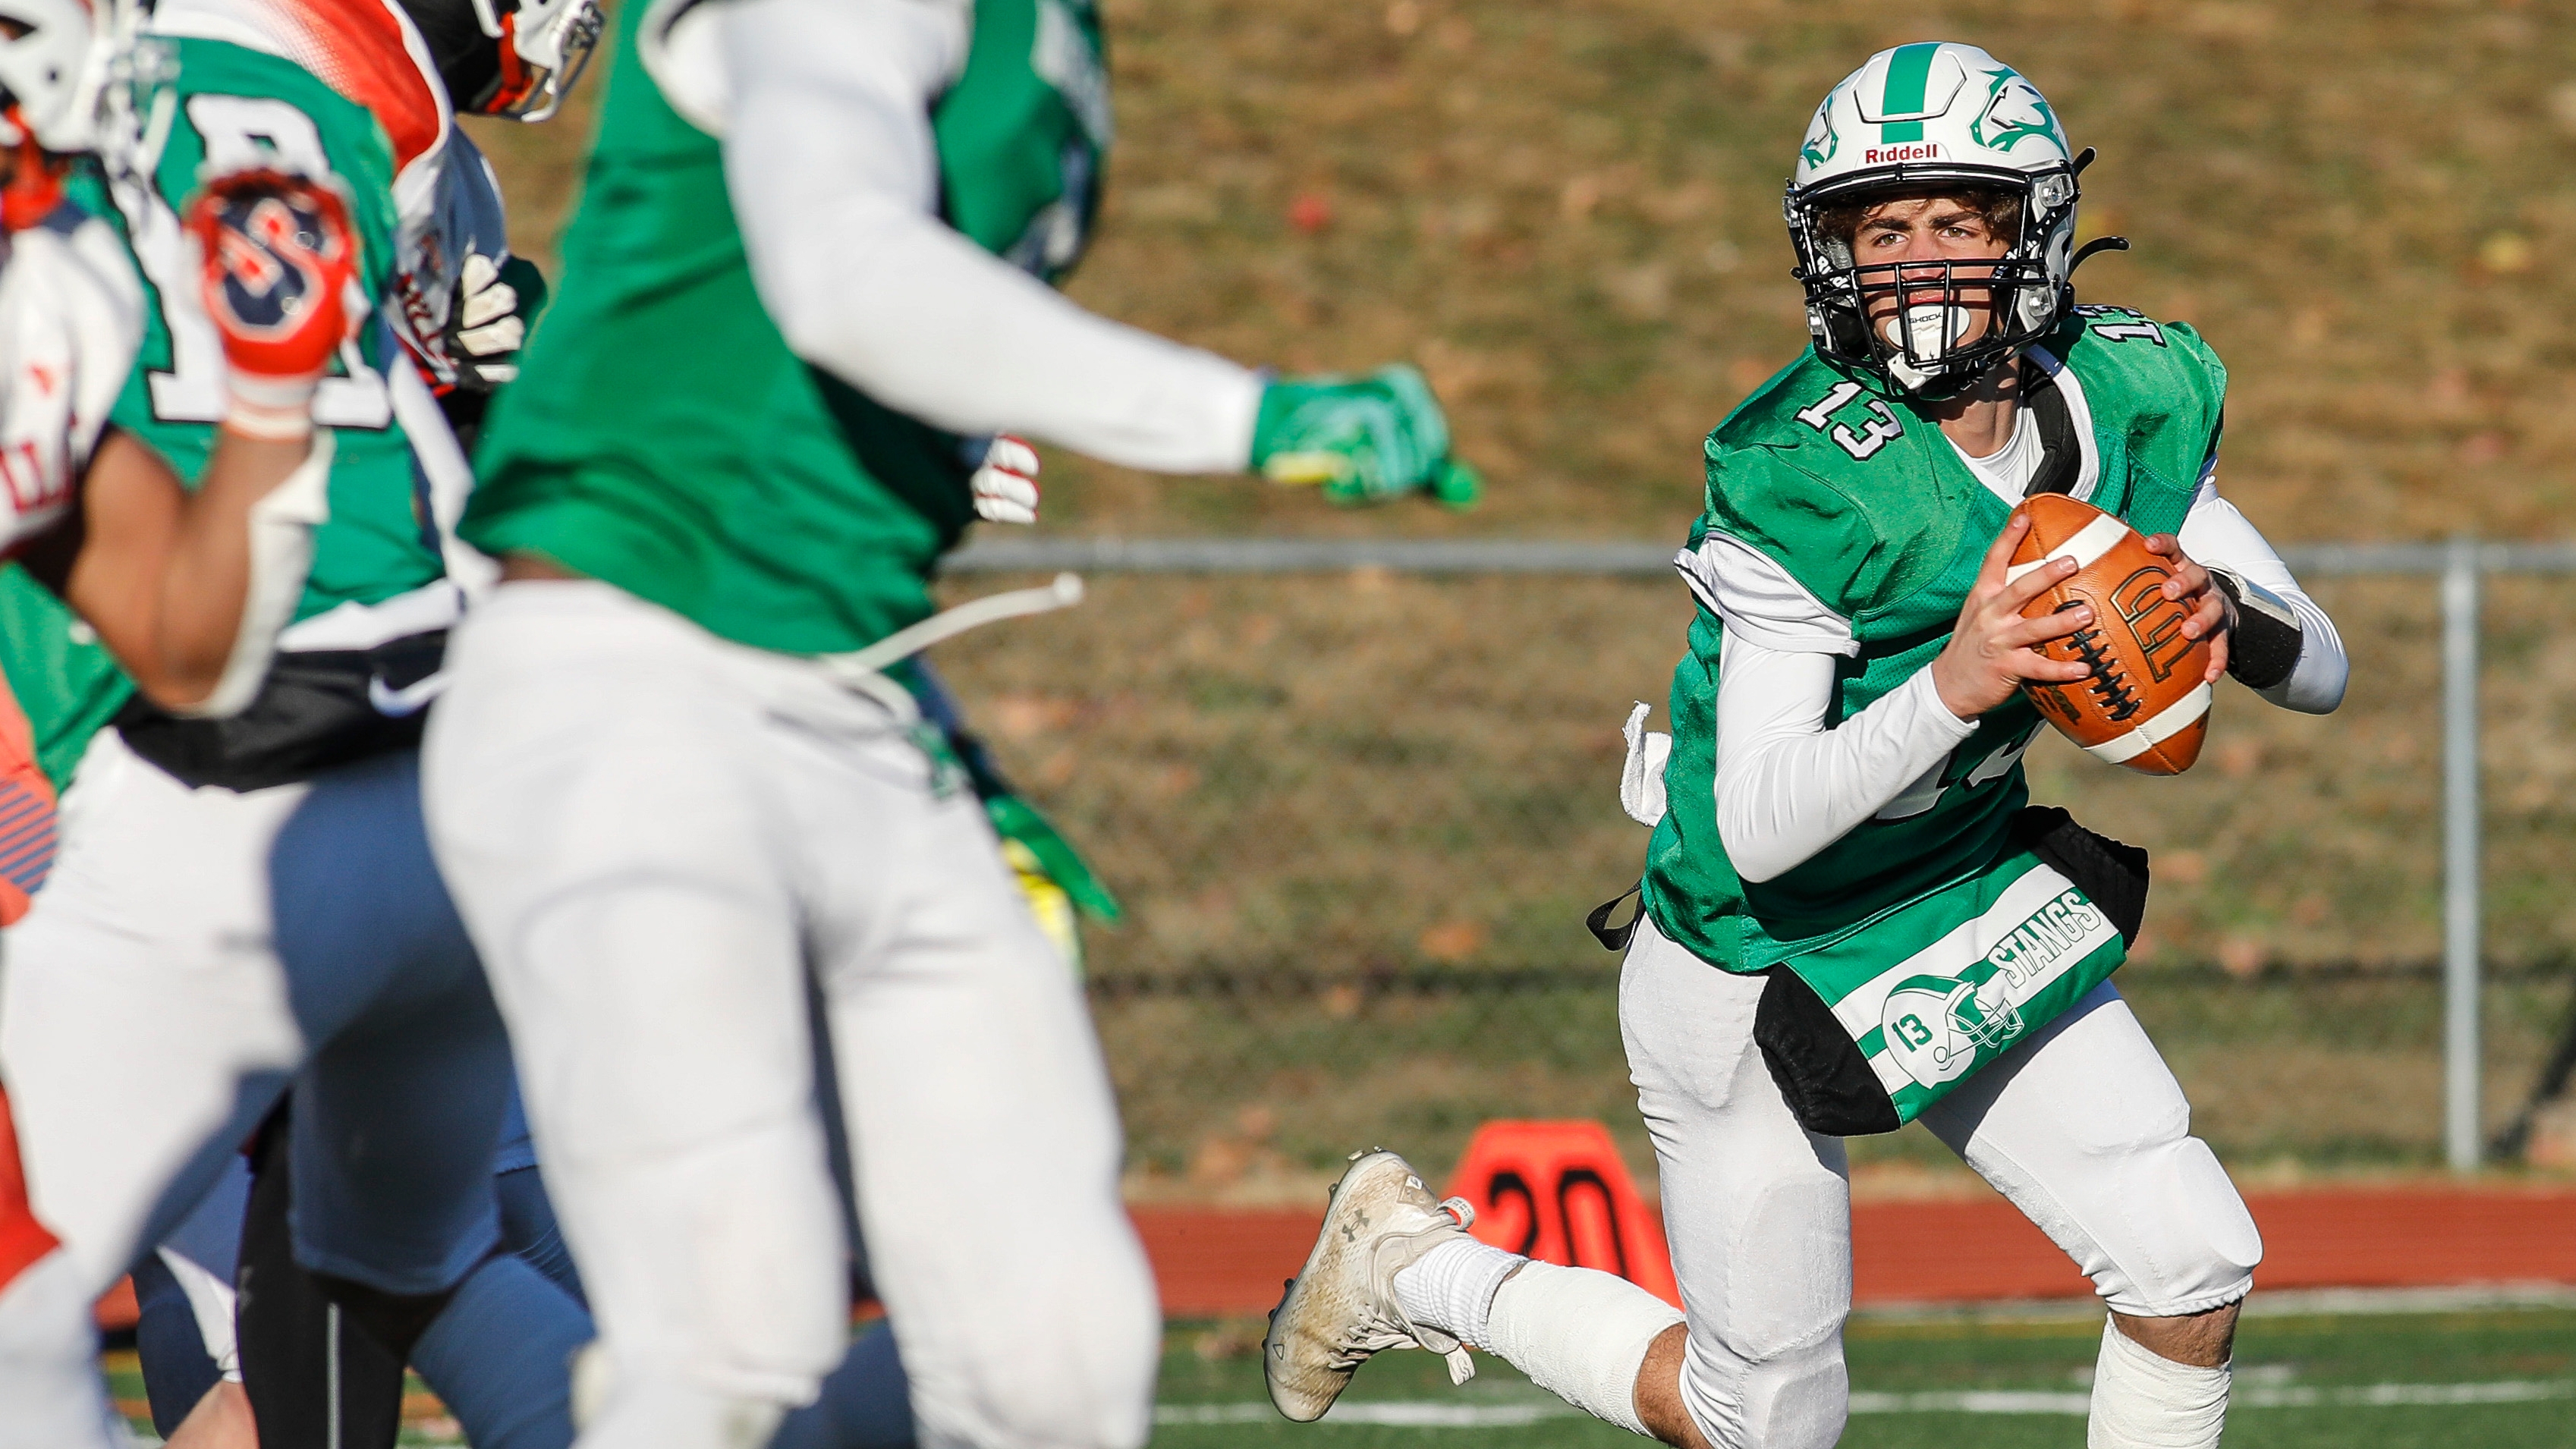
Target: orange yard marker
{"points": [[1559, 1192]]}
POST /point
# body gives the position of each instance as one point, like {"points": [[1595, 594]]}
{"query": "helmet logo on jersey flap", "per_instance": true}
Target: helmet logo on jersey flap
{"points": [[1939, 1025], [1938, 1028]]}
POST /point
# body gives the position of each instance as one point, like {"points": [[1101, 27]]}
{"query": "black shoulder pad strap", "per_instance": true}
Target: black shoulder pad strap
{"points": [[2061, 455]]}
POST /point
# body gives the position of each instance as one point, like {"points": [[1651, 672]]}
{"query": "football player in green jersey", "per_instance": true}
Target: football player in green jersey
{"points": [[1852, 916], [809, 275]]}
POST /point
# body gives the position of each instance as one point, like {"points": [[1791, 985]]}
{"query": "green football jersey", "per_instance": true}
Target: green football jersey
{"points": [[231, 106], [1835, 477], [184, 104], [662, 436]]}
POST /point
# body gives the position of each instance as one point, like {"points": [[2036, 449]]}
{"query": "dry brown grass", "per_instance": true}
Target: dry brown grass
{"points": [[1567, 213]]}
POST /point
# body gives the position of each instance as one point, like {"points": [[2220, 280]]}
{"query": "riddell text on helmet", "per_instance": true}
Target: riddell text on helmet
{"points": [[1916, 151]]}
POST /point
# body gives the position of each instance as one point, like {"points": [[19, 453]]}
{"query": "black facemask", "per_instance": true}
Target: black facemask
{"points": [[469, 61]]}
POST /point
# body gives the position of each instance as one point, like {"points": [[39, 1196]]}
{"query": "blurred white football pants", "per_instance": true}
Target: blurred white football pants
{"points": [[193, 949], [658, 838], [2083, 1127]]}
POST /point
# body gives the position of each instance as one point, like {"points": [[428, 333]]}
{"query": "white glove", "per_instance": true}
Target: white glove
{"points": [[1006, 487], [488, 325]]}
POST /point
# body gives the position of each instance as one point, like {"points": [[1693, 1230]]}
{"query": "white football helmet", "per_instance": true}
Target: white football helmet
{"points": [[1917, 117], [53, 62]]}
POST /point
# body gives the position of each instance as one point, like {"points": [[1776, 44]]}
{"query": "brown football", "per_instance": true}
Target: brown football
{"points": [[2146, 704]]}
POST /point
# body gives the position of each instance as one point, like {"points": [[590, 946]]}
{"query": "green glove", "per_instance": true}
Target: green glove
{"points": [[1363, 439]]}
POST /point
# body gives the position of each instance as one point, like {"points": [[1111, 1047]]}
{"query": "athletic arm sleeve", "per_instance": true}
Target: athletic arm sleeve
{"points": [[834, 177], [2215, 534], [1788, 786], [1759, 600]]}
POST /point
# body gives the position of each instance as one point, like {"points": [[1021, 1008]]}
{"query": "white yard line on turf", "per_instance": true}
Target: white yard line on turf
{"points": [[2510, 1391], [1405, 1414], [1421, 1414], [2356, 1396], [2286, 1303]]}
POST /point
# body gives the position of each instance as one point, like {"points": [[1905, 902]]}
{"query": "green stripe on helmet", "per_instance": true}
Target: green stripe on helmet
{"points": [[1907, 73]]}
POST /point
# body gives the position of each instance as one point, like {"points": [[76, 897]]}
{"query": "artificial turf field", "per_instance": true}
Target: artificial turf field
{"points": [[2488, 1378], [2481, 1379]]}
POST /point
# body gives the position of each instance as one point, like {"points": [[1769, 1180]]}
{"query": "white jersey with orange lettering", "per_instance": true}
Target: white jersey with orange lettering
{"points": [[71, 315]]}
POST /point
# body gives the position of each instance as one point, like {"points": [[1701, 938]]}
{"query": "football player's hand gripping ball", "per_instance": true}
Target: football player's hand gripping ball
{"points": [[1006, 486], [1994, 649], [1362, 439], [279, 266]]}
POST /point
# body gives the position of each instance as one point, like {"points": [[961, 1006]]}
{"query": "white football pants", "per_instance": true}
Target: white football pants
{"points": [[2082, 1126], [666, 845], [194, 948], [141, 996]]}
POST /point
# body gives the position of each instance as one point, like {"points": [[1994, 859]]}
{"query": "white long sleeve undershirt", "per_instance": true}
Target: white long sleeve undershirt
{"points": [[834, 177], [1788, 785]]}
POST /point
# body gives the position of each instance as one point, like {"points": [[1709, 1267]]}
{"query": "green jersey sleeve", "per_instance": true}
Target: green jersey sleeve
{"points": [[1812, 528], [2168, 390], [2204, 379]]}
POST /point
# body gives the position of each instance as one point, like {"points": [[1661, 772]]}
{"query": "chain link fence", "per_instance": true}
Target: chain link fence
{"points": [[1357, 819]]}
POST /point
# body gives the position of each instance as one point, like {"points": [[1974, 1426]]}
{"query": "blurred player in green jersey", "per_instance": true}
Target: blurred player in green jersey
{"points": [[809, 278]]}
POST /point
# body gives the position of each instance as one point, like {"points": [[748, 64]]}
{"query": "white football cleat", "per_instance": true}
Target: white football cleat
{"points": [[1341, 1307]]}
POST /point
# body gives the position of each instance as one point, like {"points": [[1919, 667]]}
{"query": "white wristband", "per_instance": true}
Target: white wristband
{"points": [[272, 409]]}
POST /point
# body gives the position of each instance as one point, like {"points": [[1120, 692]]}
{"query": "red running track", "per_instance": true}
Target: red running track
{"points": [[1223, 1263], [1215, 1263]]}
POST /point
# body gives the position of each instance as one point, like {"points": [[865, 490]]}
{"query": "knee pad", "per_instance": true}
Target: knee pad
{"points": [[2194, 1245], [1072, 1375], [1796, 1401], [1770, 1375], [1789, 1288]]}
